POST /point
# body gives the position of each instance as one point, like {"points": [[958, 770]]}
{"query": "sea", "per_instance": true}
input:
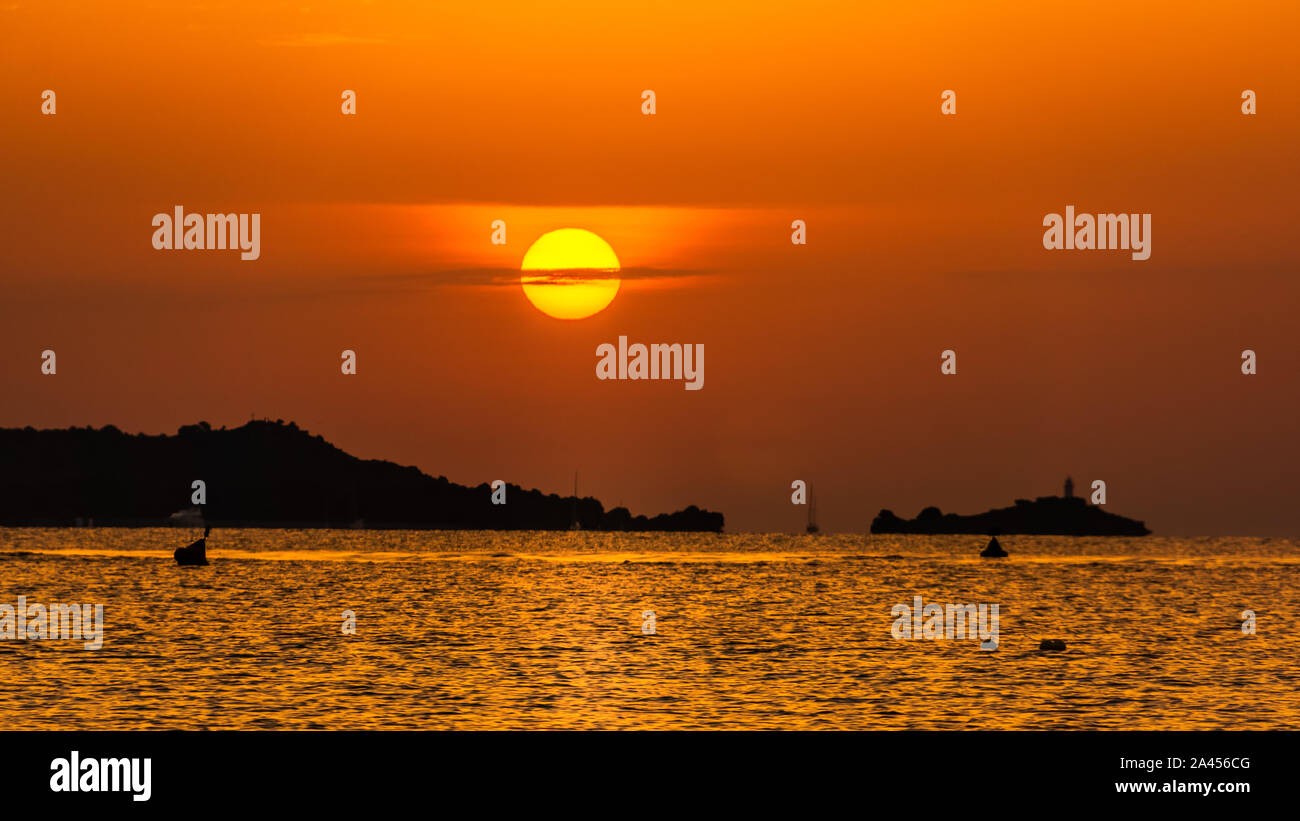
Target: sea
{"points": [[369, 629]]}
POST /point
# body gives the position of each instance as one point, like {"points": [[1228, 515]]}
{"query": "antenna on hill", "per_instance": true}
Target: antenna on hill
{"points": [[573, 521]]}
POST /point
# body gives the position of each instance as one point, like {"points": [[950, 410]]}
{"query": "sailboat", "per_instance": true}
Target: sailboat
{"points": [[812, 512], [573, 523]]}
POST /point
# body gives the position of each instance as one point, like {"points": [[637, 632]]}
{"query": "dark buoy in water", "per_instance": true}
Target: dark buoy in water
{"points": [[1052, 644], [994, 550], [195, 554]]}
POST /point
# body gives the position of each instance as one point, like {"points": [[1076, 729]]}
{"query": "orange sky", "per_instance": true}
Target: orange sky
{"points": [[822, 360]]}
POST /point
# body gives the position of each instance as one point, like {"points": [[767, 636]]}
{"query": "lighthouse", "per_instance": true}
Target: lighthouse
{"points": [[1069, 488]]}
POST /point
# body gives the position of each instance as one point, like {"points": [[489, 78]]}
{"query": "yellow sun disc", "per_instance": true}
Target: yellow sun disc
{"points": [[567, 274]]}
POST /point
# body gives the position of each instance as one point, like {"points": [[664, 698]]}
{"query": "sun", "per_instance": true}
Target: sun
{"points": [[567, 274]]}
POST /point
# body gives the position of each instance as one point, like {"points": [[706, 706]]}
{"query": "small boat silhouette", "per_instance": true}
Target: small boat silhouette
{"points": [[574, 524], [195, 554]]}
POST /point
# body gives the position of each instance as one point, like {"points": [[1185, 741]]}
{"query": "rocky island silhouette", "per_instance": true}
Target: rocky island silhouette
{"points": [[1067, 515], [268, 474]]}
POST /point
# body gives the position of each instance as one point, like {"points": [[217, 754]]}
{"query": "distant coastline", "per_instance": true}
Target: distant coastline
{"points": [[269, 474], [1044, 516]]}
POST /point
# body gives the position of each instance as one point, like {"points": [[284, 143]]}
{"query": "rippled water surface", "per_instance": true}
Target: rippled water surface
{"points": [[473, 630]]}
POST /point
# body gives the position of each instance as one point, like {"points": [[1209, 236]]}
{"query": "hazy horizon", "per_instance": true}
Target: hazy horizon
{"points": [[796, 527]]}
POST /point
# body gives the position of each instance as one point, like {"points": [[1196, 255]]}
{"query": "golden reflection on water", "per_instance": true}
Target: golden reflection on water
{"points": [[481, 630]]}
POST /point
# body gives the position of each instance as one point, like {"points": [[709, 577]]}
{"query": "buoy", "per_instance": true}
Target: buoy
{"points": [[1052, 644], [994, 550]]}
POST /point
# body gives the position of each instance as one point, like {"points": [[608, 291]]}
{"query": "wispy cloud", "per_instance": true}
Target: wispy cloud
{"points": [[499, 277]]}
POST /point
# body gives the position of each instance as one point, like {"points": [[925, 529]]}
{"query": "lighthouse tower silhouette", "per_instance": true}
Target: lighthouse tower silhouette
{"points": [[1069, 488]]}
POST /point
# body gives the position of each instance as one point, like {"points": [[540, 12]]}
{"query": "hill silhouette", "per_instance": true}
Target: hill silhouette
{"points": [[1046, 515], [268, 474]]}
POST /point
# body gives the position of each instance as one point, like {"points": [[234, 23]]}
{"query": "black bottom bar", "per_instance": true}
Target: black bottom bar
{"points": [[614, 772]]}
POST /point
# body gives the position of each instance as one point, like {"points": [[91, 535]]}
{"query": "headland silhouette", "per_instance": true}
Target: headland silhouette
{"points": [[268, 474], [1067, 515]]}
